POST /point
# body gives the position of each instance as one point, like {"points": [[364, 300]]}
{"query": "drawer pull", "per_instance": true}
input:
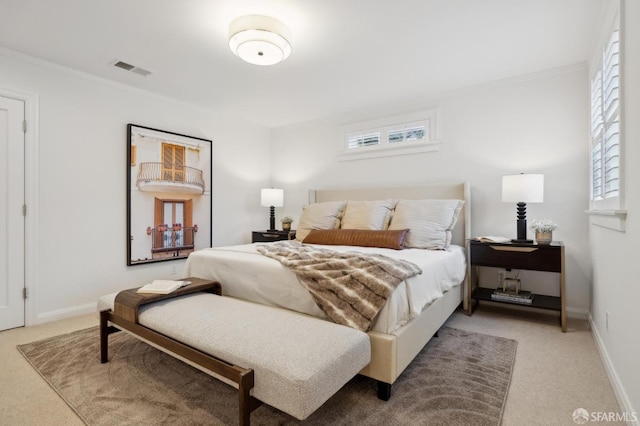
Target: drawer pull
{"points": [[270, 235], [520, 249]]}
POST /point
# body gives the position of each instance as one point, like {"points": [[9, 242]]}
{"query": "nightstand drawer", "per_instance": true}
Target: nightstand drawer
{"points": [[534, 257], [269, 236]]}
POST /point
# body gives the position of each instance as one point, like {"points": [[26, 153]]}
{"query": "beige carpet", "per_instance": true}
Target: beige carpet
{"points": [[459, 378]]}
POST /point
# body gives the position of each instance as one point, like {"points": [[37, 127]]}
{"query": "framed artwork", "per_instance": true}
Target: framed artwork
{"points": [[169, 203]]}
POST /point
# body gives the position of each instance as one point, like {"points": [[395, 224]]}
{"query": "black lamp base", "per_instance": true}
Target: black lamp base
{"points": [[272, 219], [521, 225], [517, 241]]}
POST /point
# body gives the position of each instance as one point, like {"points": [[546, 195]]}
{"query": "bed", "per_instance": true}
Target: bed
{"points": [[411, 315]]}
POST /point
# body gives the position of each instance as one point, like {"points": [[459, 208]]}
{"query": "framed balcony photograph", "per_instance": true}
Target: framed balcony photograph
{"points": [[169, 211]]}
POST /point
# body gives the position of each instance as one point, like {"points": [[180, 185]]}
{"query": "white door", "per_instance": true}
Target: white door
{"points": [[12, 222]]}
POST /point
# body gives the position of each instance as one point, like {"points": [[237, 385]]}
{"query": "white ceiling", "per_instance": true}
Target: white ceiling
{"points": [[347, 54]]}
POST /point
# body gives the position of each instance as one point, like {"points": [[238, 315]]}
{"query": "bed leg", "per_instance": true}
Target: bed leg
{"points": [[384, 390], [436, 334], [104, 337]]}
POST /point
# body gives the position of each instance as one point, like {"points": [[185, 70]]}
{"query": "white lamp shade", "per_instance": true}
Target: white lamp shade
{"points": [[260, 40], [523, 188], [271, 197]]}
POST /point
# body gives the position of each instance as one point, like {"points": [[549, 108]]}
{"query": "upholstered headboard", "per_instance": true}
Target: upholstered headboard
{"points": [[459, 191]]}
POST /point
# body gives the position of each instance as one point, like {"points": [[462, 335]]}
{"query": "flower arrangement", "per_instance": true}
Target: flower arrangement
{"points": [[543, 225], [286, 223]]}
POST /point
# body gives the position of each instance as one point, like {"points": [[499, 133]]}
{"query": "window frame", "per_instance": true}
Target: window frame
{"points": [[606, 211], [384, 126]]}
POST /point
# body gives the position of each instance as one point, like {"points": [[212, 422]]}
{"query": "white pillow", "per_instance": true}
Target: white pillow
{"points": [[368, 214], [430, 222], [319, 216]]}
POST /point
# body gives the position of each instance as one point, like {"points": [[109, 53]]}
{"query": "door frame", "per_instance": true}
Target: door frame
{"points": [[31, 191]]}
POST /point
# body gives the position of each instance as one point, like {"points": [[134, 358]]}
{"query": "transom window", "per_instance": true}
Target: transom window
{"points": [[406, 134]]}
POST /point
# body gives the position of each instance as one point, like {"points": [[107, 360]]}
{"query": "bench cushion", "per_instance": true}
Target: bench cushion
{"points": [[299, 361]]}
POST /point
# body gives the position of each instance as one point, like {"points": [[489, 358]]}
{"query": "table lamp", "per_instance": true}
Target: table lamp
{"points": [[272, 198], [522, 189]]}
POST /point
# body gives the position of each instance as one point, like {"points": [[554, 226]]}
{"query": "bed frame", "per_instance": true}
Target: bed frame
{"points": [[392, 353]]}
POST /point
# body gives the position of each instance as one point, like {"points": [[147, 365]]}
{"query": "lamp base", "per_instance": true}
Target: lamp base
{"points": [[517, 241], [272, 219]]}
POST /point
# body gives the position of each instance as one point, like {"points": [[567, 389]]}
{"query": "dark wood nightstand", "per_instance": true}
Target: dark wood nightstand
{"points": [[534, 257], [268, 236]]}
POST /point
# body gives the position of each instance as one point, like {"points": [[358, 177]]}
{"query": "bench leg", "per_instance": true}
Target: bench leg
{"points": [[104, 337], [384, 390], [244, 398]]}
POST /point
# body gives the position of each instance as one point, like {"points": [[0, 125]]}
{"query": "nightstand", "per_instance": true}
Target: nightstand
{"points": [[534, 257], [268, 236]]}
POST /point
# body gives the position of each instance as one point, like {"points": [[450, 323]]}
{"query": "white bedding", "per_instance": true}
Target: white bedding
{"points": [[246, 274]]}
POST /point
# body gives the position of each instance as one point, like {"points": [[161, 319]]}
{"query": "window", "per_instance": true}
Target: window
{"points": [[406, 134], [606, 205], [605, 124], [359, 139], [173, 162]]}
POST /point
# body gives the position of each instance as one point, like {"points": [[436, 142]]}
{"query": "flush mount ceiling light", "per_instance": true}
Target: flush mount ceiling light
{"points": [[260, 40]]}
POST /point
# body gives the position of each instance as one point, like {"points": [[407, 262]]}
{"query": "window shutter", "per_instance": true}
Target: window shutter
{"points": [[611, 113], [363, 139], [605, 124], [407, 132]]}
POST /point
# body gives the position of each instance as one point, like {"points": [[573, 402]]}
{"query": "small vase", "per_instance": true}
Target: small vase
{"points": [[286, 226], [543, 237]]}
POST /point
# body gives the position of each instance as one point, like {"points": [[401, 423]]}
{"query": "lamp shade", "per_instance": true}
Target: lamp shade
{"points": [[271, 197], [523, 188], [260, 40]]}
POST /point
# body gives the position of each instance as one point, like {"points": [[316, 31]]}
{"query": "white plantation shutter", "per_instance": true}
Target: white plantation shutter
{"points": [[407, 132], [359, 139], [596, 136], [605, 123]]}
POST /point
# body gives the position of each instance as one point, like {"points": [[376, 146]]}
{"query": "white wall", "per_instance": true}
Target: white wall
{"points": [[80, 251], [614, 254], [536, 124]]}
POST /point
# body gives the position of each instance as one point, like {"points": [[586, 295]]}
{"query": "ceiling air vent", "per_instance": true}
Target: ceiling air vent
{"points": [[132, 68]]}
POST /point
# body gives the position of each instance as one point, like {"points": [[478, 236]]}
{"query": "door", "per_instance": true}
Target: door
{"points": [[11, 213]]}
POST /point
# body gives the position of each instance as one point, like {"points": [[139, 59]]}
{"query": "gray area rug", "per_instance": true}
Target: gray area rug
{"points": [[459, 378]]}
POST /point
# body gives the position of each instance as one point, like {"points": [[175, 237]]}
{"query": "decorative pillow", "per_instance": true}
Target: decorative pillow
{"points": [[430, 222], [319, 216], [368, 214], [358, 237]]}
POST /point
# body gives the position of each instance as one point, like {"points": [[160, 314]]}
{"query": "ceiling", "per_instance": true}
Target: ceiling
{"points": [[347, 54]]}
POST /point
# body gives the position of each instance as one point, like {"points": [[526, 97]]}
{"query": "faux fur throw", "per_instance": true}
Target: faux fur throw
{"points": [[351, 287]]}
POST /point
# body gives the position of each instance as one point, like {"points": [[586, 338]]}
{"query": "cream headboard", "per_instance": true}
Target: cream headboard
{"points": [[459, 191]]}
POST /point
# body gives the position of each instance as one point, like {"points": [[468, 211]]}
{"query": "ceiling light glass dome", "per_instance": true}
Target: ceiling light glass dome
{"points": [[260, 40]]}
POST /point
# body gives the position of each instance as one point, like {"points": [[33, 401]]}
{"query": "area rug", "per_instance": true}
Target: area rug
{"points": [[459, 378]]}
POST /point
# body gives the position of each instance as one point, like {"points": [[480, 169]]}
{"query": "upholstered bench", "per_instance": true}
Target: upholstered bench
{"points": [[298, 361]]}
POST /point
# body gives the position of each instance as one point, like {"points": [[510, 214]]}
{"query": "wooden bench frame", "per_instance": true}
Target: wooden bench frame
{"points": [[125, 317]]}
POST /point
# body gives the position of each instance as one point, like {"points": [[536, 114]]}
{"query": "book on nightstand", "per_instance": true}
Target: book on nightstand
{"points": [[493, 239], [163, 286], [524, 297]]}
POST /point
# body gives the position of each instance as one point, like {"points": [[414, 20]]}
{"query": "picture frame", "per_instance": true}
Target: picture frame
{"points": [[169, 200]]}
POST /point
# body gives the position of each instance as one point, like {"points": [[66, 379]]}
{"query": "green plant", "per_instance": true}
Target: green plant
{"points": [[286, 219]]}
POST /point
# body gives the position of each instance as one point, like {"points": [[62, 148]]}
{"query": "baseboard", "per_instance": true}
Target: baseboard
{"points": [[67, 313], [582, 314], [618, 389]]}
